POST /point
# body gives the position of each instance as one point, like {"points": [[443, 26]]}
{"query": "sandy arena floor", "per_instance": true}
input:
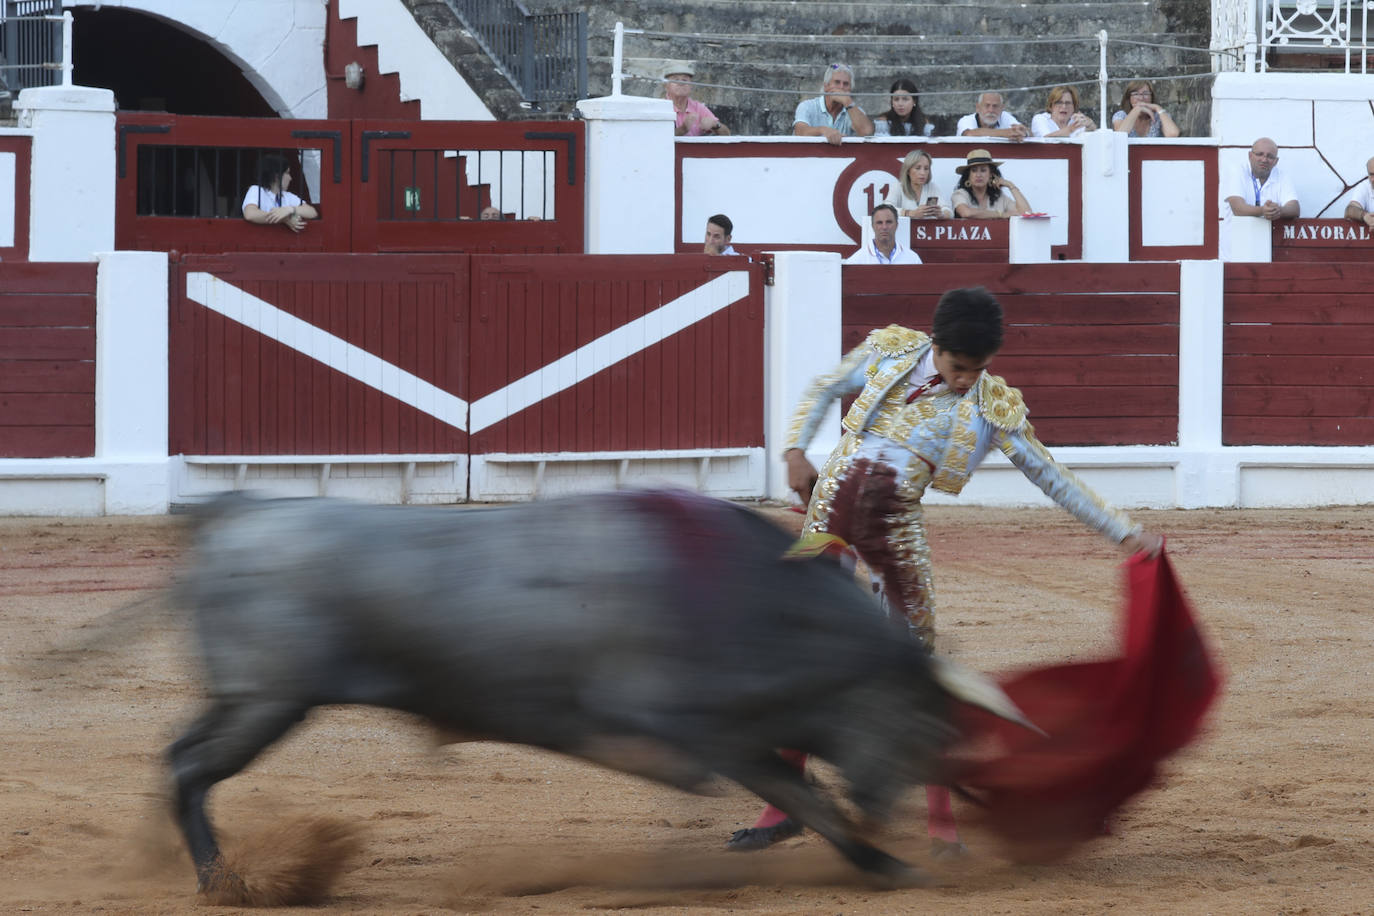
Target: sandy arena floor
{"points": [[1269, 814]]}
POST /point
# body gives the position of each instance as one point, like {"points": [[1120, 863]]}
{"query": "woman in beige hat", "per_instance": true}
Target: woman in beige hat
{"points": [[982, 192], [693, 118]]}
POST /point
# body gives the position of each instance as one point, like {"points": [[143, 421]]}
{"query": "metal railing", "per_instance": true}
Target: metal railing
{"points": [[544, 55], [1246, 32], [35, 44]]}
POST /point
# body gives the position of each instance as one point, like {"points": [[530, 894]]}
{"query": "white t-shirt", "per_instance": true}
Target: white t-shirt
{"points": [[897, 197], [1240, 182], [1364, 196], [868, 254], [1042, 125], [970, 122], [266, 201]]}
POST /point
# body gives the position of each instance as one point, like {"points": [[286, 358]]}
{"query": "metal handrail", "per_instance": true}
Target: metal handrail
{"points": [[543, 55]]}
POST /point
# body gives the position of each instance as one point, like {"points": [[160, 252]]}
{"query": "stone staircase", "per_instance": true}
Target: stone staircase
{"points": [[760, 57]]}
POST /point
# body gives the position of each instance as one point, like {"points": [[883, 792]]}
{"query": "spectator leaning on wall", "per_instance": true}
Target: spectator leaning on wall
{"points": [[833, 114]]}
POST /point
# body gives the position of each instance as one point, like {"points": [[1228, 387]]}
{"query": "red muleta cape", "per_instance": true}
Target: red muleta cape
{"points": [[1109, 724]]}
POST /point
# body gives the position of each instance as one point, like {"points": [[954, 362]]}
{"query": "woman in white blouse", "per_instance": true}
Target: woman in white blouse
{"points": [[1061, 117], [915, 195]]}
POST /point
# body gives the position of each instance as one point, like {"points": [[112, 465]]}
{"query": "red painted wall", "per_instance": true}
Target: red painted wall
{"points": [[1298, 355], [47, 360], [1094, 352], [380, 96]]}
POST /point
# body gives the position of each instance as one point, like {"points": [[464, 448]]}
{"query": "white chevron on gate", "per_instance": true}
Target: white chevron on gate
{"points": [[373, 371]]}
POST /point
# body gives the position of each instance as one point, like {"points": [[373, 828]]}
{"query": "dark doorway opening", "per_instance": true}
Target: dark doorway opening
{"points": [[151, 65]]}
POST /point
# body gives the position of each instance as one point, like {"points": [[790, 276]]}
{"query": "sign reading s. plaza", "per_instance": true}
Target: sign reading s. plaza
{"points": [[950, 231]]}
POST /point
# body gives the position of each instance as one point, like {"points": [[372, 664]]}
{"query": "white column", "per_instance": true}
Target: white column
{"points": [[72, 190], [802, 340], [1029, 240], [131, 382], [1251, 239], [1106, 197], [1203, 477], [630, 196]]}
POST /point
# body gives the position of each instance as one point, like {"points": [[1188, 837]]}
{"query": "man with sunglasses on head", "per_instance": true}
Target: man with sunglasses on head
{"points": [[1260, 188], [833, 114]]}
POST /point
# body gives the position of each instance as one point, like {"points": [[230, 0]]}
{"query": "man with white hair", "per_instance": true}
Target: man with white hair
{"points": [[990, 119], [693, 118], [833, 114]]}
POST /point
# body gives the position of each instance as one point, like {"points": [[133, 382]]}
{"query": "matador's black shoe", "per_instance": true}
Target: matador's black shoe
{"points": [[752, 838]]}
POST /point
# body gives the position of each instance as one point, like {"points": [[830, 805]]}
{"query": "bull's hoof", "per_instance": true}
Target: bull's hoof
{"points": [[752, 838], [944, 849]]}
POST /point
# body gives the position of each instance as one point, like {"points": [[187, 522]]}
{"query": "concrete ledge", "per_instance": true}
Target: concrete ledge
{"points": [[426, 479], [727, 473]]}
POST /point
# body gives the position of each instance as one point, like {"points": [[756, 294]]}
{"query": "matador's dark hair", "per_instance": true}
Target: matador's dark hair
{"points": [[968, 321]]}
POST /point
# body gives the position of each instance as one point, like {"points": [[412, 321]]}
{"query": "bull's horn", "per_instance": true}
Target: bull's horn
{"points": [[979, 690]]}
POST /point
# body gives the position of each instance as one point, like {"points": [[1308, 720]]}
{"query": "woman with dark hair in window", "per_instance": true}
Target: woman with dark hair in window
{"points": [[269, 203], [903, 117]]}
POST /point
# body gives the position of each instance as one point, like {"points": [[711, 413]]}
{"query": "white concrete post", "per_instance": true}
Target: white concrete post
{"points": [[1028, 240], [802, 340], [1203, 477], [1251, 239], [1106, 230], [72, 189], [630, 194], [131, 384]]}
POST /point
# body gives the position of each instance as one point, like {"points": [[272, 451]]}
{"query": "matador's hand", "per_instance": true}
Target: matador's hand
{"points": [[1146, 542], [801, 475]]}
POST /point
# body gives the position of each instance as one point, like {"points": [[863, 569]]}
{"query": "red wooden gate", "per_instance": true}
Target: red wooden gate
{"points": [[1098, 364], [318, 355], [414, 186], [405, 354], [1297, 367], [47, 360]]}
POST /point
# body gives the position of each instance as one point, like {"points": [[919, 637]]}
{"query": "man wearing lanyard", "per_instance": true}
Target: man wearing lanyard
{"points": [[884, 249], [1262, 188]]}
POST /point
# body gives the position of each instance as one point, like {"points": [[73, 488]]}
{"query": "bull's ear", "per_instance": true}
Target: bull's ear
{"points": [[979, 690]]}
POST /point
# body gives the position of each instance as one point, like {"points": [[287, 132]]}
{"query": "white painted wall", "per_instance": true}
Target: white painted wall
{"points": [[1322, 122], [72, 182], [403, 48]]}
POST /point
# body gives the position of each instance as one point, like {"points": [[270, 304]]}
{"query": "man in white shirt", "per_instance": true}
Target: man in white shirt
{"points": [[1261, 188], [1361, 206], [990, 120], [884, 249]]}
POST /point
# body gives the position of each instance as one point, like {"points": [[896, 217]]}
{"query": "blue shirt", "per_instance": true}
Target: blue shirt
{"points": [[814, 113]]}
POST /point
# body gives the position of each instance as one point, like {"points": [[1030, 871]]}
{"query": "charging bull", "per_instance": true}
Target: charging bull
{"points": [[662, 634]]}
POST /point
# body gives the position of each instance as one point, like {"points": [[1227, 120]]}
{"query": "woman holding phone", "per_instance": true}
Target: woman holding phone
{"points": [[915, 195]]}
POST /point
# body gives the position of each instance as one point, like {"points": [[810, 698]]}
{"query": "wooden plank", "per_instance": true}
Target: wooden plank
{"points": [[1242, 430], [638, 406], [1299, 400], [1351, 307], [1298, 340], [40, 277], [50, 376], [47, 441], [1297, 279], [47, 343], [29, 409], [1090, 340], [1090, 401], [1114, 370], [617, 432], [1315, 370], [1006, 279], [26, 310], [1094, 308], [1107, 430]]}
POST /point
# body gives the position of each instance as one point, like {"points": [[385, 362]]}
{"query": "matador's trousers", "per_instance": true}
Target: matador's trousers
{"points": [[875, 506]]}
